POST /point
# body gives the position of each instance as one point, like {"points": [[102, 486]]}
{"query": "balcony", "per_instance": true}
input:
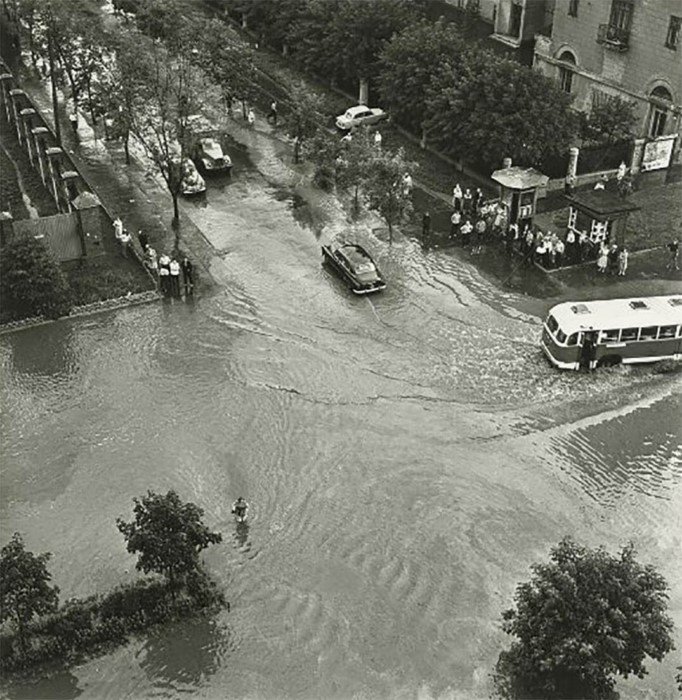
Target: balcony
{"points": [[612, 37]]}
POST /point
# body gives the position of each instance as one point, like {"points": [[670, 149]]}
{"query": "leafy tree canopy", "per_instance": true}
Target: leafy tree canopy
{"points": [[582, 619], [407, 64], [25, 589], [384, 188], [610, 122], [490, 108], [32, 281], [167, 534]]}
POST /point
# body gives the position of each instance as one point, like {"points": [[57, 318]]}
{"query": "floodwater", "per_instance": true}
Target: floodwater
{"points": [[406, 457]]}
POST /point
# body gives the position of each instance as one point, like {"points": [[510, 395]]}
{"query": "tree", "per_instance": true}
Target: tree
{"points": [[24, 586], [228, 64], [582, 619], [384, 188], [353, 164], [361, 29], [407, 63], [166, 94], [487, 108], [305, 116], [610, 122], [31, 280], [167, 534]]}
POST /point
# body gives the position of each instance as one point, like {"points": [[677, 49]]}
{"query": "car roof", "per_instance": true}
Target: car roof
{"points": [[357, 109], [618, 313]]}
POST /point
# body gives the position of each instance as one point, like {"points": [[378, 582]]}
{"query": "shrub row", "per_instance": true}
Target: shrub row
{"points": [[83, 627]]}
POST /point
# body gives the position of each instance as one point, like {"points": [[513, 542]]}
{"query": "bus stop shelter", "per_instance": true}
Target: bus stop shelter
{"points": [[601, 214]]}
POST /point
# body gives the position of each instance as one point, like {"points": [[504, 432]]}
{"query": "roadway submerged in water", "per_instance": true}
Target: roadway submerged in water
{"points": [[406, 459]]}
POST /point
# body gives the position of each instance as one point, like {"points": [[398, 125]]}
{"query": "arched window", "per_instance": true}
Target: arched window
{"points": [[566, 73], [661, 101]]}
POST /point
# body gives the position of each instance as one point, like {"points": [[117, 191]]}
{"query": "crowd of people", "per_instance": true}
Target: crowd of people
{"points": [[166, 269], [475, 223]]}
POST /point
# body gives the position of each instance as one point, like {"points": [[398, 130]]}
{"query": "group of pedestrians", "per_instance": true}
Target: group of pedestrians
{"points": [[165, 268], [612, 259], [472, 221]]}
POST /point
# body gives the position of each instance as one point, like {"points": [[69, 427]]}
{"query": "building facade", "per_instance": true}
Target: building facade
{"points": [[631, 49]]}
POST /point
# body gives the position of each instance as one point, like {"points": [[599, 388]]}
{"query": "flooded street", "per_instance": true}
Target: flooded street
{"points": [[406, 457]]}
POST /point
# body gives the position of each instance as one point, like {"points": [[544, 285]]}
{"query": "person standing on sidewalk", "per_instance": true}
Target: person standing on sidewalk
{"points": [[466, 230], [143, 238], [125, 240], [272, 115], [426, 228], [188, 275], [378, 138], [457, 198], [455, 221], [623, 262], [674, 249], [164, 274], [251, 118], [174, 268]]}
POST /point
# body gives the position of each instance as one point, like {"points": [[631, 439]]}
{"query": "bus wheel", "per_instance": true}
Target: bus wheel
{"points": [[610, 361]]}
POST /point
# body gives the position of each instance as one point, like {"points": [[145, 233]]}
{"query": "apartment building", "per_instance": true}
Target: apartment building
{"points": [[631, 49]]}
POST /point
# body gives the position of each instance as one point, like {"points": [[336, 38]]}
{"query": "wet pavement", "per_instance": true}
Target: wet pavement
{"points": [[407, 457]]}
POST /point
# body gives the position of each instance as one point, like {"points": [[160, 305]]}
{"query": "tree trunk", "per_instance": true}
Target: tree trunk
{"points": [[126, 146], [244, 115], [55, 101], [355, 198], [364, 91], [176, 216], [390, 232], [92, 109], [422, 142], [297, 149]]}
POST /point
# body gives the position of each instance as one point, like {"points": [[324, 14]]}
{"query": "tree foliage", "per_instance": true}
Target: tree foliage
{"points": [[610, 122], [32, 281], [25, 589], [407, 64], [488, 108], [167, 534], [383, 186], [581, 620], [304, 118]]}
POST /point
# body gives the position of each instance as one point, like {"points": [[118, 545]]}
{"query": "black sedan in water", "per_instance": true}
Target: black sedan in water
{"points": [[355, 265]]}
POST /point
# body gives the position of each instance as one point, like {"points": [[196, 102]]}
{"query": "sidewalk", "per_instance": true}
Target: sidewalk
{"points": [[128, 191]]}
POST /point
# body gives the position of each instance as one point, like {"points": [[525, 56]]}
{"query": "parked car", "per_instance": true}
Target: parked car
{"points": [[210, 157], [355, 265], [192, 182], [360, 116]]}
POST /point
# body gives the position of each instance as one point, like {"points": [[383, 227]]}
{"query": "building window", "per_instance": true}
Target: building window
{"points": [[621, 15], [673, 37], [565, 79], [573, 8], [515, 20], [660, 103]]}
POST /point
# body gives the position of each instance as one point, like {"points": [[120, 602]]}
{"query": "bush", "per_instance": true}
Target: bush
{"points": [[31, 280]]}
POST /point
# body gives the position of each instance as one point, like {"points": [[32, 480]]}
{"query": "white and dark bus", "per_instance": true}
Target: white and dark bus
{"points": [[588, 334]]}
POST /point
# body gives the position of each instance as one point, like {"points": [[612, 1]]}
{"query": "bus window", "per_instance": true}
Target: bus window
{"points": [[610, 336], [560, 336], [667, 332], [572, 339], [552, 323], [648, 333], [629, 334]]}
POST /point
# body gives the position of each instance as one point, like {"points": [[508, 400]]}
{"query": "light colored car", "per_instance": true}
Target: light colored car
{"points": [[210, 156], [360, 116], [192, 182]]}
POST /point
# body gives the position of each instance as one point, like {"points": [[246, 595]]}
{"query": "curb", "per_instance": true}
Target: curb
{"points": [[85, 310]]}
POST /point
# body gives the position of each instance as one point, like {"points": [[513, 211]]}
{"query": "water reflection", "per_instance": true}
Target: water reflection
{"points": [[241, 536], [60, 686], [186, 654], [641, 451], [47, 350]]}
